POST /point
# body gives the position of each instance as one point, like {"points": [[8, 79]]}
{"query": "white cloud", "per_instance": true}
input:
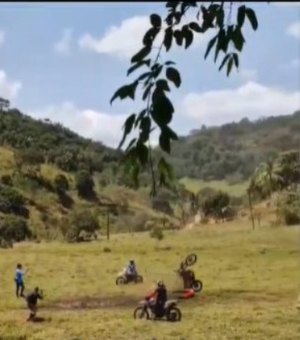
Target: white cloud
{"points": [[2, 37], [250, 100], [123, 40], [63, 46], [89, 123], [126, 39], [8, 89], [294, 30]]}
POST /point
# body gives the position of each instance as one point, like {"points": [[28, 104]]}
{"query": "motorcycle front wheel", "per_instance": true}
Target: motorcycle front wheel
{"points": [[190, 260], [174, 314], [141, 313], [120, 280]]}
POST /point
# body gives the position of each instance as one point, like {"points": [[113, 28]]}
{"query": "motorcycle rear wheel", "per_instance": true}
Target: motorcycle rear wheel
{"points": [[174, 314]]}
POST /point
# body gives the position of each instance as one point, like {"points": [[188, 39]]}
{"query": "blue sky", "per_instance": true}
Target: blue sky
{"points": [[64, 62]]}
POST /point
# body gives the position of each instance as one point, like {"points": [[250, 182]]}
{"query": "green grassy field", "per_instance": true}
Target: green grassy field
{"points": [[251, 285], [195, 185]]}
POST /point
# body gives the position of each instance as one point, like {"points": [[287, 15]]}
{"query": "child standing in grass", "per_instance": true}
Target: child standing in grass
{"points": [[19, 279]]}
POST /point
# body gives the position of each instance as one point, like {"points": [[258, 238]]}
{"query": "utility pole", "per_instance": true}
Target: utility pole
{"points": [[107, 225], [250, 208]]}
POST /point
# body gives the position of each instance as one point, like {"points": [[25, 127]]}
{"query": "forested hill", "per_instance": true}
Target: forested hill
{"points": [[229, 152], [53, 143], [233, 150]]}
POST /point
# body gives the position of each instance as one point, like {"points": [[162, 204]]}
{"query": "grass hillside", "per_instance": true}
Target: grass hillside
{"points": [[252, 298]]}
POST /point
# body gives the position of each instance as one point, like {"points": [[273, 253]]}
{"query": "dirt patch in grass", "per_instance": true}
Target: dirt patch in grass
{"points": [[89, 302]]}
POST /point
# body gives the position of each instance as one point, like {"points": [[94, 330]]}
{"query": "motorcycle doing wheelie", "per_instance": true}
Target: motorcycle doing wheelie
{"points": [[146, 310], [188, 275]]}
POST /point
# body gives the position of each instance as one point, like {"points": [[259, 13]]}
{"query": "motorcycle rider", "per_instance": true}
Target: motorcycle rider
{"points": [[188, 276], [131, 271], [159, 298]]}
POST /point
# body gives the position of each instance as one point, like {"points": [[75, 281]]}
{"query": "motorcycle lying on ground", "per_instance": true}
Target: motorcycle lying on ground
{"points": [[195, 284], [123, 278], [146, 310]]}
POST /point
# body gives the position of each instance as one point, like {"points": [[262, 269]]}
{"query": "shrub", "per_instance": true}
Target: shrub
{"points": [[85, 184], [82, 221], [289, 208], [6, 180], [14, 229], [11, 201], [61, 183], [157, 233]]}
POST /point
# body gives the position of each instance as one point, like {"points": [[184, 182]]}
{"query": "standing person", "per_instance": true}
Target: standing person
{"points": [[19, 279], [32, 300]]}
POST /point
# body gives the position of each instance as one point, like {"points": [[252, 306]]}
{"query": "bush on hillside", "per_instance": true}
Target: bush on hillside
{"points": [[13, 229], [289, 208], [61, 183], [82, 222], [11, 201], [6, 180], [85, 184], [157, 233]]}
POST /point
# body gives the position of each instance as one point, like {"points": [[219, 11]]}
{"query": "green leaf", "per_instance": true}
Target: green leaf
{"points": [[241, 15], [140, 117], [168, 38], [169, 62], [210, 46], [130, 144], [195, 27], [227, 56], [139, 64], [156, 72], [144, 75], [125, 91], [220, 17], [189, 36], [163, 85], [127, 128], [164, 142], [178, 37], [173, 75], [238, 39], [252, 18], [165, 168], [229, 66], [145, 128], [162, 108], [141, 54], [155, 20], [171, 134], [150, 36], [147, 91], [236, 59], [142, 152]]}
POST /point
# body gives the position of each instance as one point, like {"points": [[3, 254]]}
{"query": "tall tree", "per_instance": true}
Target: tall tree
{"points": [[157, 80]]}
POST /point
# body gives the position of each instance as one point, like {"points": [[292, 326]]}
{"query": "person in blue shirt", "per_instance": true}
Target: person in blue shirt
{"points": [[131, 270], [19, 279]]}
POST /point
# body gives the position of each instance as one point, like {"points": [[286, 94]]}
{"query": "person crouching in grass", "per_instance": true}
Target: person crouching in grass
{"points": [[32, 300]]}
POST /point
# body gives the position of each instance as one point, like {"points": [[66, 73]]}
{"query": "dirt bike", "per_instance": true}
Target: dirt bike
{"points": [[146, 307], [195, 284], [123, 278]]}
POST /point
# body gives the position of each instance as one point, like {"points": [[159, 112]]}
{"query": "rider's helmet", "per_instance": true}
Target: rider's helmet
{"points": [[160, 284], [131, 262]]}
